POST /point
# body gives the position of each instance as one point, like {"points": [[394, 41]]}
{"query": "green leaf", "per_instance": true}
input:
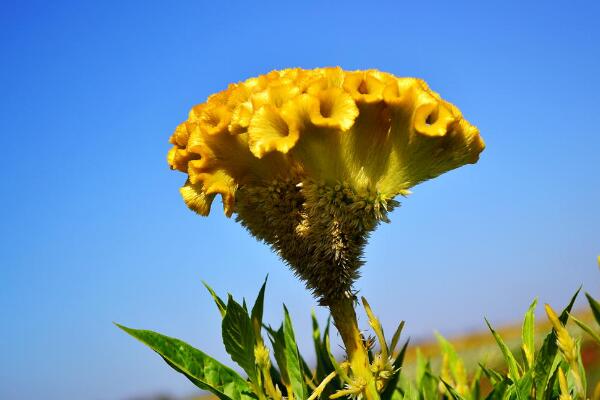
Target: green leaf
{"points": [[390, 388], [429, 385], [276, 377], [396, 337], [426, 382], [220, 303], [308, 375], [278, 342], [257, 309], [399, 360], [324, 366], [453, 393], [528, 334], [408, 390], [326, 331], [316, 335], [238, 337], [421, 368], [595, 306], [456, 365], [338, 369], [564, 315], [475, 386], [277, 339], [513, 368], [500, 390], [587, 329], [377, 328], [524, 386], [492, 375], [581, 371], [545, 356], [294, 367], [204, 371], [551, 391]]}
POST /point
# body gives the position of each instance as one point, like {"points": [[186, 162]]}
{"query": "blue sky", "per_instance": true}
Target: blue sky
{"points": [[93, 229]]}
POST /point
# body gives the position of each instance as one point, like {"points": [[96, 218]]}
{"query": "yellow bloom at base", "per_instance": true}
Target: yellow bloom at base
{"points": [[311, 160]]}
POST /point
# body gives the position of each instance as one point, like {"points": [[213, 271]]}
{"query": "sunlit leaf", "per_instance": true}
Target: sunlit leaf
{"points": [[528, 334], [587, 329], [513, 368], [294, 367], [218, 301], [238, 337], [595, 306], [204, 371], [257, 309]]}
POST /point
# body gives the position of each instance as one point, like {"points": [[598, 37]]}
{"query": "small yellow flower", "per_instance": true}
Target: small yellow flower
{"points": [[565, 394], [311, 160], [565, 342], [261, 355]]}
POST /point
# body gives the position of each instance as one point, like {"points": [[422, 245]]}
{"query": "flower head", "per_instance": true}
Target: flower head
{"points": [[311, 160]]}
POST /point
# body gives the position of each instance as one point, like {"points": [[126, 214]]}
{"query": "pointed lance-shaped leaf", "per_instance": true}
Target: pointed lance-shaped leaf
{"points": [[528, 334], [324, 367], [239, 338], [201, 369], [396, 337], [293, 363], [257, 310], [278, 342], [513, 368], [595, 306], [453, 392], [218, 301], [587, 329]]}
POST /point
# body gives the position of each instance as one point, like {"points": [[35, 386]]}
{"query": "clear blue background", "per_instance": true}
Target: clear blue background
{"points": [[93, 228]]}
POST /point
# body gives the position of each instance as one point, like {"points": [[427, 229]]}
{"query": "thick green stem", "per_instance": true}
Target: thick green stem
{"points": [[344, 318]]}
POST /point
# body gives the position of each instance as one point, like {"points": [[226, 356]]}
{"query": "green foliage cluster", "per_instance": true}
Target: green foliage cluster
{"points": [[552, 371]]}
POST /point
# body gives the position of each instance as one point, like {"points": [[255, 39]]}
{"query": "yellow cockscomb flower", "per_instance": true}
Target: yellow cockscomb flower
{"points": [[311, 160]]}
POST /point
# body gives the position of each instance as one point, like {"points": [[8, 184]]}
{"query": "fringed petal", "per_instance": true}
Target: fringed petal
{"points": [[364, 87], [275, 95], [179, 158], [241, 117], [268, 132], [333, 108], [329, 78], [214, 119], [196, 198]]}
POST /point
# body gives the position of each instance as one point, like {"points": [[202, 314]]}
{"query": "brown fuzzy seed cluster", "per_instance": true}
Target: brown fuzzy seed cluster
{"points": [[318, 229]]}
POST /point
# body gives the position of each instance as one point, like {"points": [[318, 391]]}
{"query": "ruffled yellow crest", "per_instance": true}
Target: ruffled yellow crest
{"points": [[378, 132], [345, 142]]}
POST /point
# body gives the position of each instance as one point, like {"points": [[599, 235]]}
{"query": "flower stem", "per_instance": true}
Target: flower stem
{"points": [[344, 318]]}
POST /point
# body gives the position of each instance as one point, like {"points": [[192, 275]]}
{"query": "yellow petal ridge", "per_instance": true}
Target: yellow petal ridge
{"points": [[379, 133], [269, 131], [196, 198], [364, 86]]}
